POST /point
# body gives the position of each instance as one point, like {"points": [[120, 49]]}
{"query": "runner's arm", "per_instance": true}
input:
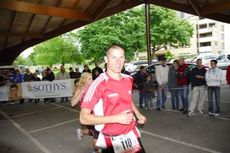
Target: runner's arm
{"points": [[87, 118], [77, 97]]}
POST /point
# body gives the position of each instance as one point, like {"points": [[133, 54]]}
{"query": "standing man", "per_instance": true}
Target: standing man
{"points": [[213, 79], [62, 75], [198, 84], [108, 105], [140, 78], [172, 84], [96, 71], [183, 83], [162, 72]]}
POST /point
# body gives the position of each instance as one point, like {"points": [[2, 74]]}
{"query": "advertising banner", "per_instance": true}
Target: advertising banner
{"points": [[37, 89]]}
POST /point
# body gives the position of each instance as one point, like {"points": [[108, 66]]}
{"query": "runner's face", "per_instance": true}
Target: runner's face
{"points": [[115, 60]]}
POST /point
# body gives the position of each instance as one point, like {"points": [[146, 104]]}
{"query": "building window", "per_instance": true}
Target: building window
{"points": [[222, 28], [222, 36], [202, 26], [222, 45], [212, 25], [205, 44], [209, 34]]}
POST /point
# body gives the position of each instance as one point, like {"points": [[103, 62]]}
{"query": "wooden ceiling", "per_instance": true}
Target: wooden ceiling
{"points": [[25, 23]]}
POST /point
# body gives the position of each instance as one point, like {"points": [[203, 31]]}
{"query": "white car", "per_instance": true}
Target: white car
{"points": [[130, 67], [223, 61], [206, 58]]}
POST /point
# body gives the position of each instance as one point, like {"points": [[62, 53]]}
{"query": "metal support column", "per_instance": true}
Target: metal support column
{"points": [[148, 37]]}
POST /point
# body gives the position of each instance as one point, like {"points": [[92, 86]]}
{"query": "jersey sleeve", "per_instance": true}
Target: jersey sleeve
{"points": [[91, 96]]}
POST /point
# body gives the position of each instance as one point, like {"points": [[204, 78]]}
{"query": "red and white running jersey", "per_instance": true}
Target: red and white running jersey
{"points": [[107, 96]]}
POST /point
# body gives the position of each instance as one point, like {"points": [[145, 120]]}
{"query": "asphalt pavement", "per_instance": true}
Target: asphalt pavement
{"points": [[50, 128]]}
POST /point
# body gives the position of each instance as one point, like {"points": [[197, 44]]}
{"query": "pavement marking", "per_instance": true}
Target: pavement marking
{"points": [[35, 141], [52, 126], [67, 108], [180, 142], [22, 115], [163, 137], [31, 113]]}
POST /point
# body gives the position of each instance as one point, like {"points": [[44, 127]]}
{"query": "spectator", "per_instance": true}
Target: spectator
{"points": [[86, 69], [77, 73], [28, 76], [162, 72], [124, 71], [213, 79], [148, 90], [183, 83], [96, 71], [172, 84], [62, 75], [228, 75], [71, 73], [17, 77], [36, 78], [198, 84], [110, 98], [139, 79], [48, 75]]}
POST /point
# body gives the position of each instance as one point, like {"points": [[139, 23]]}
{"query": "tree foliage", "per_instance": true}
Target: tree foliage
{"points": [[128, 29], [59, 50]]}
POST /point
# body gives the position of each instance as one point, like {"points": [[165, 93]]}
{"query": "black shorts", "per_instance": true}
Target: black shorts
{"points": [[92, 131]]}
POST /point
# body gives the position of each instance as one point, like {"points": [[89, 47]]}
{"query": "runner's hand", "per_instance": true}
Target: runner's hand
{"points": [[141, 119]]}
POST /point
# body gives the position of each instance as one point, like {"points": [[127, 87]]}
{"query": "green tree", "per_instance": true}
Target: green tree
{"points": [[59, 50], [168, 30], [128, 29], [23, 61], [119, 28]]}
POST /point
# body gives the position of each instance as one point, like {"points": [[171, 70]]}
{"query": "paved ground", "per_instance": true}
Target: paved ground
{"points": [[50, 128]]}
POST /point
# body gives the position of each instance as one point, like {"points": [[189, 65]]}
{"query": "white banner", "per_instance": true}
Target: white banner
{"points": [[4, 93], [47, 89]]}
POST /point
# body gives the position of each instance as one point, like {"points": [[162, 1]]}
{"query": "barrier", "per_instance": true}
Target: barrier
{"points": [[37, 89]]}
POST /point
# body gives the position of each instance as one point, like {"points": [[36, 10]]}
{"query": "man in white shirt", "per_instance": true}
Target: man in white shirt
{"points": [[162, 79], [213, 79], [62, 75]]}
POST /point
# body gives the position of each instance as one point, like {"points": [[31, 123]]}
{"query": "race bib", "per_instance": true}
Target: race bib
{"points": [[127, 143]]}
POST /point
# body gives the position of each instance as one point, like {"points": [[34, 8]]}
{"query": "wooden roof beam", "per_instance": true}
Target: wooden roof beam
{"points": [[17, 34], [28, 7], [210, 9], [195, 6], [101, 9]]}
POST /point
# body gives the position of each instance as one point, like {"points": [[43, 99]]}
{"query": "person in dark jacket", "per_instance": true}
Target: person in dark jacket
{"points": [[140, 78], [96, 71], [48, 75], [172, 85], [198, 84], [148, 90]]}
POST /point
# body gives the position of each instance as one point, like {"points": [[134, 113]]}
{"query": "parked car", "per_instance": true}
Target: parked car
{"points": [[134, 65], [223, 61], [206, 58]]}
